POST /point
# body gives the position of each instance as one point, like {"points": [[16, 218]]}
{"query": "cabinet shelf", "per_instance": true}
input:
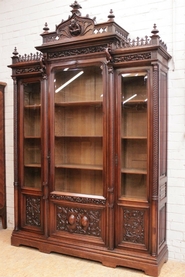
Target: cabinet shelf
{"points": [[134, 171], [80, 166], [32, 137], [139, 101], [34, 106], [78, 103], [33, 165], [79, 136], [134, 137]]}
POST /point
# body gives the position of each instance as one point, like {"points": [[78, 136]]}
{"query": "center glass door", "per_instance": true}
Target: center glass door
{"points": [[78, 131]]}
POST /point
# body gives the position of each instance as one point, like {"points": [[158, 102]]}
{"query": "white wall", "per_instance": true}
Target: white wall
{"points": [[21, 22]]}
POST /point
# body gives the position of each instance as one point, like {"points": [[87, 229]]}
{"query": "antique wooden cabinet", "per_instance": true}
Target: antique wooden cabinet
{"points": [[2, 159], [91, 144]]}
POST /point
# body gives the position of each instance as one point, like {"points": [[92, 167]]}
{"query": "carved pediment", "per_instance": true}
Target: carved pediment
{"points": [[75, 26]]}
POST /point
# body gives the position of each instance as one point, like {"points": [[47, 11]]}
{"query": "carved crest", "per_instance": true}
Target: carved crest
{"points": [[75, 26]]}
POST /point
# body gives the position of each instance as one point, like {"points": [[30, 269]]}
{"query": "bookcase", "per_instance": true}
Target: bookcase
{"points": [[90, 140]]}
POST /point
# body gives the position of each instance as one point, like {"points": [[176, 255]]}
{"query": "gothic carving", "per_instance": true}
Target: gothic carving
{"points": [[133, 57], [80, 221], [33, 211], [133, 226], [84, 200], [28, 70], [77, 51]]}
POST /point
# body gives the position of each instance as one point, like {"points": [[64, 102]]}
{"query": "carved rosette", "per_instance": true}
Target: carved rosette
{"points": [[80, 221], [133, 226], [33, 211]]}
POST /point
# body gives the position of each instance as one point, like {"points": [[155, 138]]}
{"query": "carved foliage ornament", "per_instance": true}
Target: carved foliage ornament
{"points": [[80, 221], [77, 51], [133, 57], [79, 199], [133, 226], [33, 211]]}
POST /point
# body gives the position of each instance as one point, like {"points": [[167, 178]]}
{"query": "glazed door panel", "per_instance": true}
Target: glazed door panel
{"points": [[77, 156], [31, 171], [79, 131], [132, 211]]}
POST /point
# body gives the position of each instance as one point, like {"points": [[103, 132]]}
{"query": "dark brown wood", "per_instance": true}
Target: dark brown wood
{"points": [[90, 150], [2, 159]]}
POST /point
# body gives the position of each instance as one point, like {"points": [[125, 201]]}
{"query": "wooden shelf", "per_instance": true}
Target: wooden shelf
{"points": [[134, 171], [80, 166], [34, 106], [33, 165], [32, 137], [133, 137], [139, 101], [78, 137], [78, 103]]}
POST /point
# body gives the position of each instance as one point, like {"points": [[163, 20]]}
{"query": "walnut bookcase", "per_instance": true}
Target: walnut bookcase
{"points": [[91, 144]]}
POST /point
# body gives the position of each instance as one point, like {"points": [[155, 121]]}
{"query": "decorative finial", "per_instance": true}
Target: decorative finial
{"points": [[155, 31], [111, 15], [76, 8], [15, 53], [46, 29]]}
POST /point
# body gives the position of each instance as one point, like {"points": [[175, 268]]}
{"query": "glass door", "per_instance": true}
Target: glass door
{"points": [[32, 134], [134, 101], [78, 131]]}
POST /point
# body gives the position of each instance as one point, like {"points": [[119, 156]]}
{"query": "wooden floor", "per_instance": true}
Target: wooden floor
{"points": [[28, 262]]}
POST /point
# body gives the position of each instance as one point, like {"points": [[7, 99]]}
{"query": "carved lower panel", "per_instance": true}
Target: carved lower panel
{"points": [[33, 211], [133, 226], [162, 225], [80, 221]]}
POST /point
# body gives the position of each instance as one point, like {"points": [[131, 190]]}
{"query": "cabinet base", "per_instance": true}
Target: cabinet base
{"points": [[110, 258]]}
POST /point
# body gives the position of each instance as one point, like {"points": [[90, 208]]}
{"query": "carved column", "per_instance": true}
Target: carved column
{"points": [[155, 158], [111, 151], [45, 156]]}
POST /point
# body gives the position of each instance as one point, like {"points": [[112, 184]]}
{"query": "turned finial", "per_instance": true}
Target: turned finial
{"points": [[15, 53], [111, 15], [76, 8], [154, 31], [46, 29]]}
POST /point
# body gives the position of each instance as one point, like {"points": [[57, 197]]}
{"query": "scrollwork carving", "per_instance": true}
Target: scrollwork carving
{"points": [[28, 70], [85, 200], [78, 51], [133, 57]]}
